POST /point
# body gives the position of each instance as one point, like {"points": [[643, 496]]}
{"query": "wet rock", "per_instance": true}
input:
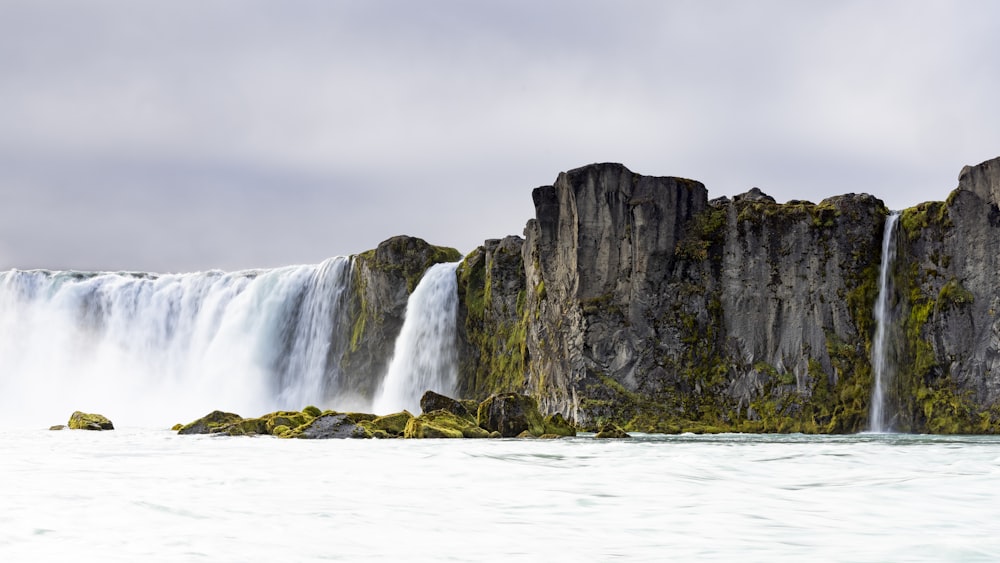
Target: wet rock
{"points": [[510, 414], [443, 424], [330, 426], [393, 424], [556, 425], [86, 421], [210, 423], [58, 427], [432, 401], [610, 430]]}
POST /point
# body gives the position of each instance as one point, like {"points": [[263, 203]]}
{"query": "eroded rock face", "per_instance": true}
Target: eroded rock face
{"points": [[643, 302], [382, 281], [596, 255], [948, 301]]}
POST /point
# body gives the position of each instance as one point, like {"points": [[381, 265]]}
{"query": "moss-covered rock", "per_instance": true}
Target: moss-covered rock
{"points": [[312, 411], [610, 430], [510, 414], [177, 427], [58, 427], [87, 421], [556, 425], [432, 401], [393, 424], [210, 423], [443, 424]]}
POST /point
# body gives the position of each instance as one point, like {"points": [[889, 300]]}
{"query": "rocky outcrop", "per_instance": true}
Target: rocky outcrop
{"points": [[86, 421], [947, 330], [644, 303], [493, 319], [382, 281]]}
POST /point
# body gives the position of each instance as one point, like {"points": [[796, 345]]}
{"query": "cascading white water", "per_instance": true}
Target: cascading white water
{"points": [[425, 355], [882, 368], [147, 349]]}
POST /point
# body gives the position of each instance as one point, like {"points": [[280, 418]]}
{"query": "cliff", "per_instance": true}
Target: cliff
{"points": [[636, 300]]}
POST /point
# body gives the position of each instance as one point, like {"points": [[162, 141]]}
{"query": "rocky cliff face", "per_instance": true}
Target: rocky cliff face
{"points": [[651, 305], [636, 300], [947, 299], [382, 280]]}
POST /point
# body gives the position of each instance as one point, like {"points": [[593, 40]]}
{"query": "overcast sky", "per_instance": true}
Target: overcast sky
{"points": [[184, 135]]}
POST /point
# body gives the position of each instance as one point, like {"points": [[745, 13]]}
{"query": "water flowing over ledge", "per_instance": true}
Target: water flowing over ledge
{"points": [[159, 348]]}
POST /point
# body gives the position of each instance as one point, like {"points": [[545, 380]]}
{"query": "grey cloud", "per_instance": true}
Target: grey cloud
{"points": [[262, 133]]}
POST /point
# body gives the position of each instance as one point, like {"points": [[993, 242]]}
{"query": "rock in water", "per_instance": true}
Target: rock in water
{"points": [[210, 423], [84, 421], [511, 414], [558, 426], [610, 430], [393, 424], [443, 424], [329, 426]]}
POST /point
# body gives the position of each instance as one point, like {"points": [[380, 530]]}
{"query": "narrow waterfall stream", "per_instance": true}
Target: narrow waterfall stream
{"points": [[879, 417]]}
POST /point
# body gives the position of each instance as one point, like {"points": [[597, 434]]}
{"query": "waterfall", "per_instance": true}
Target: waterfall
{"points": [[425, 356], [882, 366], [158, 349]]}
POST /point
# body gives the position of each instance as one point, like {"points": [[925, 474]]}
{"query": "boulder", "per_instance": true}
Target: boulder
{"points": [[556, 425], [85, 421], [510, 414], [330, 426], [432, 401], [609, 430], [393, 424], [210, 423], [443, 424]]}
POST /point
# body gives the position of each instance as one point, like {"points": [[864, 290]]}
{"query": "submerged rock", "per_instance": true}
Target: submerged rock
{"points": [[86, 421], [511, 414], [58, 427]]}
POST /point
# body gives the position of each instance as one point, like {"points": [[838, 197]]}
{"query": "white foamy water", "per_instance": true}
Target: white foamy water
{"points": [[425, 356], [148, 495], [149, 349]]}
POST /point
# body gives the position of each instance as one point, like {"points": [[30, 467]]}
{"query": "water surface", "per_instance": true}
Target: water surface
{"points": [[151, 495]]}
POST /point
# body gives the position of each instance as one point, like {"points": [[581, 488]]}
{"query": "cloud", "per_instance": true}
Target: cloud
{"points": [[238, 134]]}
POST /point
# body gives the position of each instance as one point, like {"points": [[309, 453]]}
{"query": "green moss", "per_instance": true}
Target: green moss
{"points": [[312, 411], [953, 294], [442, 424], [497, 335], [704, 230], [915, 219]]}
